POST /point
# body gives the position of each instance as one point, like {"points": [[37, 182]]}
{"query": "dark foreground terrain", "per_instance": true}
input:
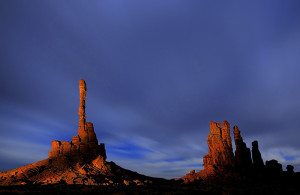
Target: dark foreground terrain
{"points": [[272, 185]]}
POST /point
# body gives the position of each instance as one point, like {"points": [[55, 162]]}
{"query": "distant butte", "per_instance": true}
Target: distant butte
{"points": [[81, 161]]}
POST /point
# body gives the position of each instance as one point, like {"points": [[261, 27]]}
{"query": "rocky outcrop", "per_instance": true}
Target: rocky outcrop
{"points": [[290, 168], [273, 167], [220, 165], [86, 142], [242, 153], [80, 161], [220, 148], [258, 163], [64, 171], [220, 158]]}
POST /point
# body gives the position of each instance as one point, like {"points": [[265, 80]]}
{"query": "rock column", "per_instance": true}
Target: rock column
{"points": [[82, 130], [256, 156], [219, 144], [86, 142], [242, 153], [227, 143]]}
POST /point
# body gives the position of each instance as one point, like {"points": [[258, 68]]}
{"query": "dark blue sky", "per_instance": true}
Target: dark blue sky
{"points": [[157, 72]]}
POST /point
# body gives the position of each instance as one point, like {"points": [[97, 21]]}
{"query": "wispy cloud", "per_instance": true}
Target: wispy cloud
{"points": [[21, 152]]}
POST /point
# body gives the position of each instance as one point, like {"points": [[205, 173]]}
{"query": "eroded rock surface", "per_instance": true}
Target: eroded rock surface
{"points": [[220, 157], [220, 148]]}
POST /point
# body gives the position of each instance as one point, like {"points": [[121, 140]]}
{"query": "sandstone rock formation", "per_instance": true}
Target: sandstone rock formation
{"points": [[220, 147], [242, 153], [220, 157], [86, 142], [81, 161], [258, 163], [220, 165]]}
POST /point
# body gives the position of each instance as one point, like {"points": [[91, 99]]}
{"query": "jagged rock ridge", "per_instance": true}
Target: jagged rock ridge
{"points": [[220, 164]]}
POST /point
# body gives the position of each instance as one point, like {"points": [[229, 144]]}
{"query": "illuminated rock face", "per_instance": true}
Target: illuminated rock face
{"points": [[220, 161], [242, 153], [86, 142], [220, 147]]}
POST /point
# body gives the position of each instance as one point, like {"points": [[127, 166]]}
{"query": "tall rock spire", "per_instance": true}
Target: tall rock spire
{"points": [[242, 153], [256, 156], [226, 134], [82, 95], [220, 147], [82, 130], [86, 142]]}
